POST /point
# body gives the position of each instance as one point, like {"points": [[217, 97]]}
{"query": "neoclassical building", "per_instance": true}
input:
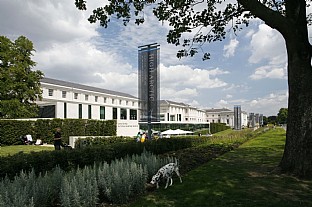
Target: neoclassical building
{"points": [[174, 112], [224, 115], [63, 99]]}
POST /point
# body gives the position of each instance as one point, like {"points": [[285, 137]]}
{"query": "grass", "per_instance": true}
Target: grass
{"points": [[11, 150], [242, 177]]}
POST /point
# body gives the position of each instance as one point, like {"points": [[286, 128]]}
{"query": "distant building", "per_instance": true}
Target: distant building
{"points": [[174, 112], [226, 116]]}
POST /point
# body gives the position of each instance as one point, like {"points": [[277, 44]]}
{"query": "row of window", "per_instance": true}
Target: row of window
{"points": [[123, 112], [218, 115], [96, 98]]}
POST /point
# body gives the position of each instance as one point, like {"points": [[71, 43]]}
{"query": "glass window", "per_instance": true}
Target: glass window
{"points": [[86, 97], [114, 113], [119, 102], [65, 110], [113, 101], [105, 99], [96, 98], [162, 117], [63, 94], [50, 92], [89, 112], [76, 96], [102, 112], [123, 113], [133, 114], [172, 118], [80, 111]]}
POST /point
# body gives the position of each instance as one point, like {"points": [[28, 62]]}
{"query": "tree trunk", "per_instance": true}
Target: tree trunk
{"points": [[297, 158]]}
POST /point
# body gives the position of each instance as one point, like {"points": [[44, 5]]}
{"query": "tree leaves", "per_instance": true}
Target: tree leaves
{"points": [[19, 84]]}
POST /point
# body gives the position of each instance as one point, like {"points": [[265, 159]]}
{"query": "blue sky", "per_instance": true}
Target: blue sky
{"points": [[249, 69]]}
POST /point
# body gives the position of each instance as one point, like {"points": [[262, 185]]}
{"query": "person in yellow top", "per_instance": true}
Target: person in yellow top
{"points": [[143, 137]]}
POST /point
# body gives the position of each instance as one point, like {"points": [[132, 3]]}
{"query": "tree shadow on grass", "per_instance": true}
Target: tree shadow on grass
{"points": [[243, 177]]}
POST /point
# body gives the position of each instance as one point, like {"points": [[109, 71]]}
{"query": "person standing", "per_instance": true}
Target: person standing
{"points": [[57, 139]]}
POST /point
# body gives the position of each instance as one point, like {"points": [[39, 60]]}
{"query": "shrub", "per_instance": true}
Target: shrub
{"points": [[11, 130], [81, 187]]}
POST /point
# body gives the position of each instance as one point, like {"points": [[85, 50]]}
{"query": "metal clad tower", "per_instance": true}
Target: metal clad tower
{"points": [[149, 84], [237, 117]]}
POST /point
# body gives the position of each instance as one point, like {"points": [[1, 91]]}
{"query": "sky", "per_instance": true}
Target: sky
{"points": [[248, 68]]}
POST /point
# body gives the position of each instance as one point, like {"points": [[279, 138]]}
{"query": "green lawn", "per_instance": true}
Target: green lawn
{"points": [[242, 177], [11, 150]]}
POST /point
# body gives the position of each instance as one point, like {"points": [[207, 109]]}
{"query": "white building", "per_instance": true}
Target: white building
{"points": [[226, 116], [62, 99], [173, 112]]}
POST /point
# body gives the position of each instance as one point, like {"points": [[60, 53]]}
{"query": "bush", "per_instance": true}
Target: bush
{"points": [[11, 130], [81, 187]]}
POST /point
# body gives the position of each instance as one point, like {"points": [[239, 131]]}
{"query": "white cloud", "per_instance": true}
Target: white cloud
{"points": [[229, 50], [269, 72], [185, 76], [267, 44]]}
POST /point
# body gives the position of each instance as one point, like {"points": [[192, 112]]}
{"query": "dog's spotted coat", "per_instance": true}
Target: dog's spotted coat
{"points": [[166, 172]]}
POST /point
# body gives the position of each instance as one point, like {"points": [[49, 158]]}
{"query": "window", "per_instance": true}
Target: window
{"points": [[172, 118], [114, 113], [65, 110], [162, 117], [50, 92], [127, 102], [105, 99], [123, 113], [80, 111], [96, 98], [76, 96], [113, 101], [133, 114], [102, 112], [132, 103], [63, 94], [89, 112], [86, 97], [119, 102], [228, 121]]}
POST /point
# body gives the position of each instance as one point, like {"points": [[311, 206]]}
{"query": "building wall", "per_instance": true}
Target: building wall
{"points": [[170, 112]]}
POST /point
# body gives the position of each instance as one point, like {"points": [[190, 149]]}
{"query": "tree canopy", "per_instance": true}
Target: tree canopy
{"points": [[210, 20], [282, 116], [19, 84]]}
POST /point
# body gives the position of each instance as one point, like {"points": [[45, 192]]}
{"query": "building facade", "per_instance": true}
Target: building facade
{"points": [[62, 99], [226, 116], [174, 112]]}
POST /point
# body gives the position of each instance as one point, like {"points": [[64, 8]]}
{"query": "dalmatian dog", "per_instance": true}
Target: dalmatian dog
{"points": [[166, 172]]}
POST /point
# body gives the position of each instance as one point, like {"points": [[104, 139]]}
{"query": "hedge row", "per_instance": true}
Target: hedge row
{"points": [[218, 127], [70, 159], [45, 161], [11, 130]]}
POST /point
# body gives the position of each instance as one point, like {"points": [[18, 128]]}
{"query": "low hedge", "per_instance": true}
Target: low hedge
{"points": [[11, 130], [70, 159]]}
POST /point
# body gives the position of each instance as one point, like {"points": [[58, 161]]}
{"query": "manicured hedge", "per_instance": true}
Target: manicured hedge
{"points": [[11, 130], [218, 127]]}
